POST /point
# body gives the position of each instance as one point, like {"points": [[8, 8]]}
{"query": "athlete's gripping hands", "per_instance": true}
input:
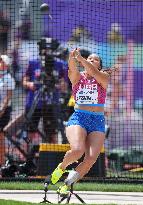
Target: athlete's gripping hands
{"points": [[85, 129]]}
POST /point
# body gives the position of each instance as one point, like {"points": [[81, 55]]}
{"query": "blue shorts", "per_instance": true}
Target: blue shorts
{"points": [[90, 121]]}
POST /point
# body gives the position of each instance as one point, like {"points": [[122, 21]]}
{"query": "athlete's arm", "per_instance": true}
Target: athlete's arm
{"points": [[73, 72], [100, 76]]}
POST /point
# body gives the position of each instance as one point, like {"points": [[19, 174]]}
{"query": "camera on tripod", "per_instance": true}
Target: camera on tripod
{"points": [[47, 43], [47, 52]]}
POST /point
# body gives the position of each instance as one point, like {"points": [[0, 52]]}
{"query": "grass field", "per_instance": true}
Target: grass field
{"points": [[10, 202], [112, 187]]}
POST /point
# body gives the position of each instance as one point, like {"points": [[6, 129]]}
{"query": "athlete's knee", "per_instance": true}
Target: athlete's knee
{"points": [[78, 151]]}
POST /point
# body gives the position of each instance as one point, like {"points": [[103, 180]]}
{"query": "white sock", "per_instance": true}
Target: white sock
{"points": [[73, 176]]}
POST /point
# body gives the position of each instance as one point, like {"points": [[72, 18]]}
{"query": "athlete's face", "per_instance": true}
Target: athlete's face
{"points": [[94, 60]]}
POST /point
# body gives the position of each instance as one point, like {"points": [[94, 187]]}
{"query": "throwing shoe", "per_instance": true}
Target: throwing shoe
{"points": [[57, 174], [63, 191]]}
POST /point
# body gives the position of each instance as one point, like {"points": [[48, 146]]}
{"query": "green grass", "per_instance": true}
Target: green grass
{"points": [[11, 202], [111, 187]]}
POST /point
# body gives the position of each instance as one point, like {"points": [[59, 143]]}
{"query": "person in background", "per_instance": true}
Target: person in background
{"points": [[7, 85], [115, 34], [54, 82], [83, 38], [115, 89]]}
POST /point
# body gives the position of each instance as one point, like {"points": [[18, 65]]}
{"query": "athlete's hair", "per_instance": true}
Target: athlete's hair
{"points": [[101, 64]]}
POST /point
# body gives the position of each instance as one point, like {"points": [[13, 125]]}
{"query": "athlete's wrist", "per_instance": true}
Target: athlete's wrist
{"points": [[79, 58]]}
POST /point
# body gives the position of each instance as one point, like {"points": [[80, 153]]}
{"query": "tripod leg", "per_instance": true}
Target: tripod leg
{"points": [[62, 199], [76, 195], [79, 198], [47, 180], [69, 197], [45, 196], [17, 145], [45, 201], [61, 125]]}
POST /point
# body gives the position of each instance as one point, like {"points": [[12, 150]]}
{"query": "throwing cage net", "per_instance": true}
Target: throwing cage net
{"points": [[35, 93]]}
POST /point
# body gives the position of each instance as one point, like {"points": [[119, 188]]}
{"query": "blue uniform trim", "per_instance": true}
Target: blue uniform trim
{"points": [[90, 112]]}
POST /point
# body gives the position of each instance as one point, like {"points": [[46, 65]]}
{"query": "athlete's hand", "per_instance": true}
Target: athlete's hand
{"points": [[77, 55], [71, 55]]}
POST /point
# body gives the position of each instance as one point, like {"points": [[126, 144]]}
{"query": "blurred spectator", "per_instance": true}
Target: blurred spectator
{"points": [[115, 91], [4, 27], [115, 35], [79, 33], [14, 54], [51, 82], [22, 51], [62, 56], [7, 85], [82, 38]]}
